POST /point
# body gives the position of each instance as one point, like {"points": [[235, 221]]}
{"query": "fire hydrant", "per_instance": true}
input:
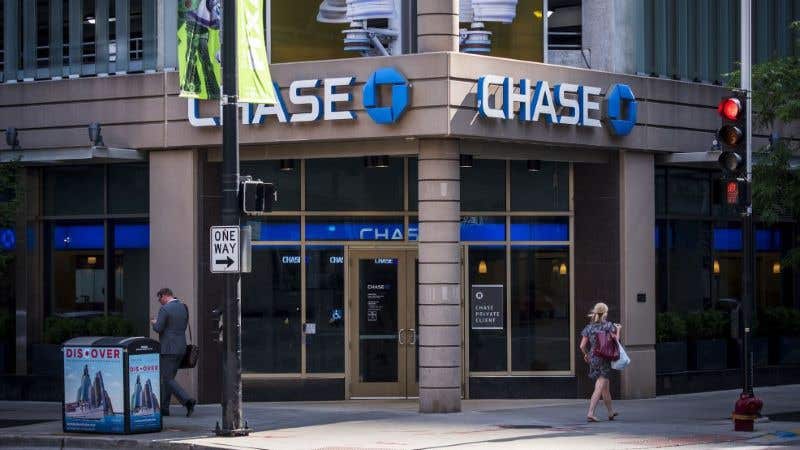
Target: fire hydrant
{"points": [[747, 408]]}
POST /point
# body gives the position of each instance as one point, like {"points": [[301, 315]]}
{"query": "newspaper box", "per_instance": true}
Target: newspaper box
{"points": [[111, 385]]}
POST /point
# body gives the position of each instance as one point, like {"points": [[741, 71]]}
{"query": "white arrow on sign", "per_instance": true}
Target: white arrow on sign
{"points": [[225, 249]]}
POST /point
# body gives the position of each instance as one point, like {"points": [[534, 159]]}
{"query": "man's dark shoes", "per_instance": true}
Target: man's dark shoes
{"points": [[190, 407]]}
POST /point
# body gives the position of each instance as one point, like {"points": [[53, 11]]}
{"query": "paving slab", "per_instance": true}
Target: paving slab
{"points": [[681, 421]]}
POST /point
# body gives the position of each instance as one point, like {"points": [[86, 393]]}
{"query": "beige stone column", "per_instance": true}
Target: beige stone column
{"points": [[439, 277], [437, 26], [637, 273], [173, 236]]}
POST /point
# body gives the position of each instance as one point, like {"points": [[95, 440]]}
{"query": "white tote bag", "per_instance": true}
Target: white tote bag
{"points": [[623, 360]]}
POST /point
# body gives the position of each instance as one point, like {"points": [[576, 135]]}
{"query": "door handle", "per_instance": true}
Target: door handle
{"points": [[413, 340], [400, 337]]}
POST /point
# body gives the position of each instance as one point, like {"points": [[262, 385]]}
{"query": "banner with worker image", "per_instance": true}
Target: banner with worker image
{"points": [[255, 81], [200, 51], [199, 48]]}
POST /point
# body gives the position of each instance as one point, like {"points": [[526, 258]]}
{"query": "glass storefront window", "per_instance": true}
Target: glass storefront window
{"points": [[690, 265], [487, 348], [483, 186], [275, 229], [325, 309], [540, 228], [101, 266], [77, 269], [545, 190], [287, 182], [540, 308], [74, 190], [689, 192], [354, 228], [774, 280], [128, 189], [345, 184], [271, 311], [483, 228], [661, 190], [522, 39], [413, 184], [131, 249], [727, 264], [296, 35], [662, 274]]}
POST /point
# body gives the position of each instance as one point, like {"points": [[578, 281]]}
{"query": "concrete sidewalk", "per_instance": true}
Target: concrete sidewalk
{"points": [[688, 421]]}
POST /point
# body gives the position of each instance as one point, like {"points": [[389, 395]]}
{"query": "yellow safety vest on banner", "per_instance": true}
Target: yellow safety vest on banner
{"points": [[255, 81]]}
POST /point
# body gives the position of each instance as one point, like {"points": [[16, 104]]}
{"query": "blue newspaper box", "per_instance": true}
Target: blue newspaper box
{"points": [[111, 385]]}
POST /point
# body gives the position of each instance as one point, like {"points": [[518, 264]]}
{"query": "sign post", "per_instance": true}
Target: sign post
{"points": [[232, 417]]}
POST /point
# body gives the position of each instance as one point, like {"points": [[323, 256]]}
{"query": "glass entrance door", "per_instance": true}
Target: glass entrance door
{"points": [[383, 337]]}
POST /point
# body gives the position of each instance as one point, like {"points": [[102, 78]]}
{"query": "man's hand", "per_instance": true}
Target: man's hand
{"points": [[586, 357], [152, 321]]}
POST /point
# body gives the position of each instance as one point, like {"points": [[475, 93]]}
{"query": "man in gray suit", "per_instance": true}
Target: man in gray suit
{"points": [[171, 323]]}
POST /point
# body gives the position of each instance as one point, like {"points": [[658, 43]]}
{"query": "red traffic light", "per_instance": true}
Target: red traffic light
{"points": [[730, 108], [730, 135]]}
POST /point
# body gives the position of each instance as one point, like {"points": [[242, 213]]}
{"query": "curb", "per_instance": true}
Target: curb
{"points": [[81, 442]]}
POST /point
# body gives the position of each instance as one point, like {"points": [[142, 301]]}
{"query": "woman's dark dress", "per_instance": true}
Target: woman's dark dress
{"points": [[598, 367]]}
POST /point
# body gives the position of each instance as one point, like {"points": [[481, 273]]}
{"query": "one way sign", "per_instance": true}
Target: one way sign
{"points": [[225, 249]]}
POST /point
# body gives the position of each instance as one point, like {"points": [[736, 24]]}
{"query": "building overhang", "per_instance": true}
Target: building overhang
{"points": [[75, 155]]}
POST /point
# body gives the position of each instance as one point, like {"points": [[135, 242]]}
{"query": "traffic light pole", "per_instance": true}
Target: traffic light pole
{"points": [[232, 314], [748, 241]]}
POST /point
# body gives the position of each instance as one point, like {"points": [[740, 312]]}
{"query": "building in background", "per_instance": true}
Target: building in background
{"points": [[392, 221]]}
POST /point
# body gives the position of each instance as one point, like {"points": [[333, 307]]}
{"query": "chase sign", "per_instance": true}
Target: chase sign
{"points": [[327, 106], [565, 104]]}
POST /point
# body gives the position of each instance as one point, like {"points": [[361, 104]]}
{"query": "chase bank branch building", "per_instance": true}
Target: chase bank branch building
{"points": [[446, 215]]}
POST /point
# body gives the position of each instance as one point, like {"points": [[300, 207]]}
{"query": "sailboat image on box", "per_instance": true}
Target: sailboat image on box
{"points": [[91, 400]]}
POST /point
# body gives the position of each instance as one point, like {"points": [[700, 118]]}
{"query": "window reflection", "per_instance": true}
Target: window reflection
{"points": [[287, 182], [483, 228], [689, 192], [271, 311], [487, 348], [540, 317], [483, 186], [690, 265], [73, 190], [78, 276], [296, 35], [726, 266], [128, 189], [345, 184], [523, 38], [131, 243], [545, 190], [325, 309]]}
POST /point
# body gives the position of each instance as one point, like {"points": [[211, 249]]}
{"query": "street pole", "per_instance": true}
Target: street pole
{"points": [[232, 313], [748, 241]]}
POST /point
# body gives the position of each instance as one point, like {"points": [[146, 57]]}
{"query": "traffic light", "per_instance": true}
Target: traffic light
{"points": [[257, 196], [731, 135], [733, 193], [216, 325]]}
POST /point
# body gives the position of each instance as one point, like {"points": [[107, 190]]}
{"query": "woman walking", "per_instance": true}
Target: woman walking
{"points": [[599, 368]]}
